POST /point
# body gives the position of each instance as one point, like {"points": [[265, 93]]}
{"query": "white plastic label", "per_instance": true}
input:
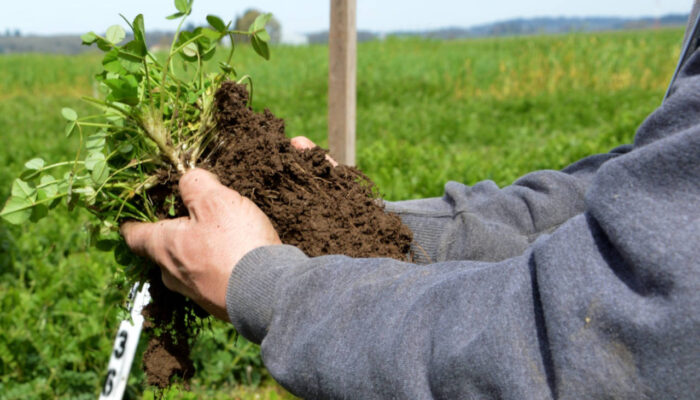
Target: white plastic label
{"points": [[125, 345]]}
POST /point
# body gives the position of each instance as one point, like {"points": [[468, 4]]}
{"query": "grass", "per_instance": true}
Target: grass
{"points": [[428, 112]]}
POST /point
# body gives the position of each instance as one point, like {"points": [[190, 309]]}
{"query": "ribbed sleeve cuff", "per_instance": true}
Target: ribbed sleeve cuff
{"points": [[250, 294], [429, 220]]}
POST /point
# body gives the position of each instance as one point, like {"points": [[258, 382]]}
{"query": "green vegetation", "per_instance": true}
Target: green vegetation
{"points": [[428, 112], [151, 118]]}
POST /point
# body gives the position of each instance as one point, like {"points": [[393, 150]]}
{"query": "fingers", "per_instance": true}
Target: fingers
{"points": [[138, 236], [152, 239], [302, 143]]}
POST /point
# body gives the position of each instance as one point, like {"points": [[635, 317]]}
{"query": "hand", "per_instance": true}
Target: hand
{"points": [[302, 143], [198, 253]]}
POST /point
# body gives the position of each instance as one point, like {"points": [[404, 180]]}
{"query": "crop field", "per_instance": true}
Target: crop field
{"points": [[428, 112]]}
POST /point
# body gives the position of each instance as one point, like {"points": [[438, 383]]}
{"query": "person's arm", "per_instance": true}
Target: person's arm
{"points": [[487, 223], [604, 306]]}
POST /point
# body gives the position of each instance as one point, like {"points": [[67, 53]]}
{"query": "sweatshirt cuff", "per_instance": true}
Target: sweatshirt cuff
{"points": [[430, 220], [250, 295]]}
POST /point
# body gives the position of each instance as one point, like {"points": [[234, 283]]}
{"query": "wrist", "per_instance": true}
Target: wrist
{"points": [[252, 287]]}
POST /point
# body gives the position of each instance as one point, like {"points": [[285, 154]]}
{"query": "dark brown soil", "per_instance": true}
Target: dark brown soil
{"points": [[172, 323], [317, 207], [312, 205]]}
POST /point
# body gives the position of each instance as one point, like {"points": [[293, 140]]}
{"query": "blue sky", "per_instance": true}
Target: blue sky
{"points": [[299, 16]]}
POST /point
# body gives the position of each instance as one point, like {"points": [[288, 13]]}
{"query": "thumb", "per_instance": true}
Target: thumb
{"points": [[196, 184]]}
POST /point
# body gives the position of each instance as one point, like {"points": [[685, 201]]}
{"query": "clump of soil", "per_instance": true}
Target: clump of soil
{"points": [[312, 205], [171, 322], [317, 207]]}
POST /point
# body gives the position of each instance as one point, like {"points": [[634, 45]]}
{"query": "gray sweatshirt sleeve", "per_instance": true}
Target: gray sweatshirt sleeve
{"points": [[486, 223], [607, 305]]}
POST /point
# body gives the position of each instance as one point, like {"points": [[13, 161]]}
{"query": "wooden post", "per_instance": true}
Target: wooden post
{"points": [[342, 67]]}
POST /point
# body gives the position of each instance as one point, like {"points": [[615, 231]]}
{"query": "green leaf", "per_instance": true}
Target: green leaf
{"points": [[92, 159], [110, 62], [69, 114], [133, 51], [260, 47], [88, 38], [216, 23], [115, 34], [226, 67], [263, 35], [209, 54], [190, 50], [95, 142], [29, 174], [17, 210], [124, 89], [175, 16], [47, 187], [108, 243], [123, 255], [104, 45], [39, 211], [100, 172], [182, 6], [34, 163], [125, 148], [70, 199], [70, 127], [210, 35], [260, 22], [23, 190], [88, 194], [139, 30]]}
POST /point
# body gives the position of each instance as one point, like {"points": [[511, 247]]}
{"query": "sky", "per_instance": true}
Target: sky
{"points": [[46, 17]]}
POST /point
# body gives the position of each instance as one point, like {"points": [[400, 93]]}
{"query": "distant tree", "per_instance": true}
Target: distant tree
{"points": [[244, 22], [17, 33]]}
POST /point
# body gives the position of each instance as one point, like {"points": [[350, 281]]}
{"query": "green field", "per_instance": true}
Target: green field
{"points": [[428, 112]]}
